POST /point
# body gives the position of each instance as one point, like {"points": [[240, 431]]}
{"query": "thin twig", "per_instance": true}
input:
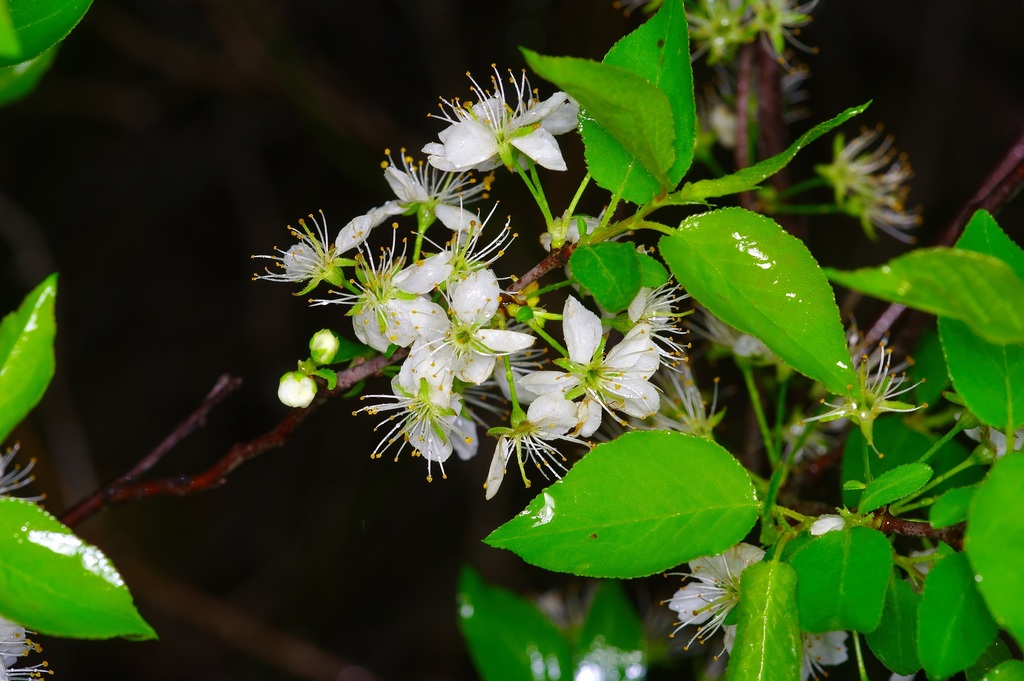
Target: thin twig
{"points": [[743, 84], [952, 535], [554, 260]]}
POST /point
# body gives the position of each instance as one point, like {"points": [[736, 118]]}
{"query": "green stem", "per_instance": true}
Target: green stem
{"points": [[770, 445], [546, 336], [553, 287], [532, 182], [905, 505], [957, 427], [867, 461], [860, 657], [800, 187], [579, 195], [805, 209]]}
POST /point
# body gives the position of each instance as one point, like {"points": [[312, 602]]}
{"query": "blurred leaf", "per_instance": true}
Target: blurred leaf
{"points": [[658, 52], [843, 578], [611, 642], [610, 271], [929, 369], [757, 278], [41, 24], [609, 95], [954, 627], [26, 355], [507, 636], [19, 80], [768, 644], [994, 655], [56, 584], [10, 46], [978, 289], [749, 178], [894, 485], [952, 507], [994, 542], [635, 506], [894, 642], [988, 376], [1010, 670]]}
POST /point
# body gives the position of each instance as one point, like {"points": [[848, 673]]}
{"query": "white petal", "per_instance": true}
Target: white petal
{"points": [[588, 417], [474, 368], [564, 118], [424, 275], [475, 299], [636, 397], [541, 146], [464, 437], [406, 188], [541, 111], [635, 353], [582, 330], [691, 602], [356, 231], [296, 389], [552, 414], [433, 364], [368, 330], [636, 308], [543, 382], [436, 157], [827, 523], [467, 144], [496, 473], [407, 320], [455, 218], [502, 342]]}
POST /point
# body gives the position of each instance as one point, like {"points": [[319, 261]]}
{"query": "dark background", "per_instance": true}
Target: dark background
{"points": [[172, 140]]}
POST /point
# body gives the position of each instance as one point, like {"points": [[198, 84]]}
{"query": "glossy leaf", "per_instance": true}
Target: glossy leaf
{"points": [[1011, 670], [652, 273], [658, 52], [610, 271], [56, 584], [507, 636], [640, 504], [988, 376], [843, 578], [894, 485], [894, 642], [954, 626], [611, 641], [757, 278], [928, 370], [19, 80], [10, 46], [952, 507], [609, 95], [900, 445], [26, 354], [768, 644], [41, 24], [752, 176], [994, 655], [978, 289], [995, 542]]}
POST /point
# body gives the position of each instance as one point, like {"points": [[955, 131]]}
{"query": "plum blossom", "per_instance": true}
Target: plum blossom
{"points": [[618, 381], [549, 417], [313, 259], [15, 477], [429, 192], [656, 307], [14, 645], [684, 409], [494, 131]]}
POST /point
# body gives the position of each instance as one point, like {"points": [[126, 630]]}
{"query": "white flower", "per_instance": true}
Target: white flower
{"points": [[617, 381], [428, 191], [822, 649], [15, 477], [492, 131], [296, 389], [427, 418], [715, 591], [469, 253], [995, 440], [739, 344], [686, 411], [827, 523], [310, 260], [549, 417], [14, 645], [656, 308]]}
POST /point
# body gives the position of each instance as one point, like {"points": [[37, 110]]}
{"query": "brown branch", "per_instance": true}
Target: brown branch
{"points": [[554, 260], [742, 150], [124, 490], [952, 535]]}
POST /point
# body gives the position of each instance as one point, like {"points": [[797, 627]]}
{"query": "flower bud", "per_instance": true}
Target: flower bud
{"points": [[296, 389], [324, 346], [827, 523]]}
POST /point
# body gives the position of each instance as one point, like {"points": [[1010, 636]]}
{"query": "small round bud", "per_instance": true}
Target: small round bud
{"points": [[827, 523], [296, 389], [324, 346]]}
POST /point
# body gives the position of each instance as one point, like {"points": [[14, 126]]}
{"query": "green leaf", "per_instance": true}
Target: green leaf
{"points": [[894, 485], [41, 24], [843, 579], [645, 502], [658, 52], [56, 584], [608, 95], [902, 445], [768, 643], [995, 542], [1011, 670], [929, 369], [611, 642], [994, 655], [989, 376], [750, 177], [894, 642], [978, 289], [610, 271], [507, 637], [26, 355], [349, 350], [652, 273], [954, 627], [10, 46], [952, 507], [754, 276], [19, 80]]}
